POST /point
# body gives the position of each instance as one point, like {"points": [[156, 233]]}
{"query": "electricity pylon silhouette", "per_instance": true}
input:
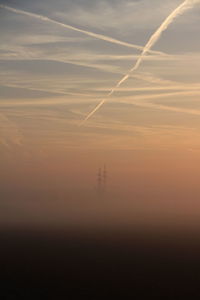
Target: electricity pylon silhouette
{"points": [[101, 180], [104, 178]]}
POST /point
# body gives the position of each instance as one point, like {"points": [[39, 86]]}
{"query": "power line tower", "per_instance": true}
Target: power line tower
{"points": [[99, 181], [102, 180]]}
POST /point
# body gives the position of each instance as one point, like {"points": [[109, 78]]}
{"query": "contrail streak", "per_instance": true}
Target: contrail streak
{"points": [[153, 39], [167, 108], [89, 33]]}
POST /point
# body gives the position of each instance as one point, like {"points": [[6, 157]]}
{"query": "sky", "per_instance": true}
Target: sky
{"points": [[58, 60]]}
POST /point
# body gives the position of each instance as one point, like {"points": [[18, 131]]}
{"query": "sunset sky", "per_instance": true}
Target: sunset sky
{"points": [[58, 60]]}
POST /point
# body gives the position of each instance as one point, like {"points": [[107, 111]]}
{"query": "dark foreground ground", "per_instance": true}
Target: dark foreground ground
{"points": [[61, 265]]}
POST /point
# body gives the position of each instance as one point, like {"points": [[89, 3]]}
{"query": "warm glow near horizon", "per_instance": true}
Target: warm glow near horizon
{"points": [[59, 60]]}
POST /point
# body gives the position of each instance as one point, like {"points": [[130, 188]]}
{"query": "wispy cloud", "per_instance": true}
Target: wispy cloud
{"points": [[89, 33], [52, 77], [167, 108], [188, 4], [10, 132]]}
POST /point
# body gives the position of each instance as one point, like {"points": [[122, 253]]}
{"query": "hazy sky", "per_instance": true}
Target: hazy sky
{"points": [[52, 76]]}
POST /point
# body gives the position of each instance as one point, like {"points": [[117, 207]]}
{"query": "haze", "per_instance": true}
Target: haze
{"points": [[58, 61]]}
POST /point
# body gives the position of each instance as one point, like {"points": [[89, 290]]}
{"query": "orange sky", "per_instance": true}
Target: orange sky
{"points": [[55, 71]]}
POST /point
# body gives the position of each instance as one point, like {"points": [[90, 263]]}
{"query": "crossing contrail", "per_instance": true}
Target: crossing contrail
{"points": [[187, 4], [89, 33]]}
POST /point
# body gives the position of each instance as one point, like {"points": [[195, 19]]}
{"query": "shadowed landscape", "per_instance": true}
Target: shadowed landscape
{"points": [[60, 264]]}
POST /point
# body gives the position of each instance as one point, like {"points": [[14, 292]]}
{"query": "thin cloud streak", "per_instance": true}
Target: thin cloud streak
{"points": [[194, 92], [12, 133], [186, 87], [88, 33], [24, 54], [167, 108], [189, 88], [127, 99], [46, 90], [188, 4], [146, 130]]}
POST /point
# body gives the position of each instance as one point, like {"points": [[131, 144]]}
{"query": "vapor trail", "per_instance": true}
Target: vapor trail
{"points": [[187, 4], [89, 33], [167, 108]]}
